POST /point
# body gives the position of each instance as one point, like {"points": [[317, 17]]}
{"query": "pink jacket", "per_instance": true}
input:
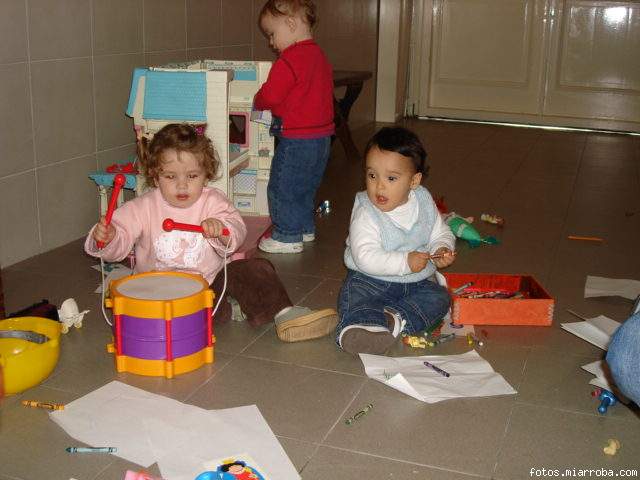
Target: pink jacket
{"points": [[138, 223]]}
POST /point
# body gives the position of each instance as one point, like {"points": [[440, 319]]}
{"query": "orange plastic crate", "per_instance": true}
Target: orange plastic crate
{"points": [[535, 308]]}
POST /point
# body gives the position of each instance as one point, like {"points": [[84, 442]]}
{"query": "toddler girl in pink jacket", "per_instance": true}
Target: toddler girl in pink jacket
{"points": [[179, 162]]}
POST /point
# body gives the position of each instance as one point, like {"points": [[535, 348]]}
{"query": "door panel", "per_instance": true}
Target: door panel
{"points": [[595, 61], [487, 55]]}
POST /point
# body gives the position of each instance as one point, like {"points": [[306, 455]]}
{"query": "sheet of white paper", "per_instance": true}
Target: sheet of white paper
{"points": [[148, 428], [114, 415], [470, 376], [223, 435], [597, 330], [611, 287], [602, 379]]}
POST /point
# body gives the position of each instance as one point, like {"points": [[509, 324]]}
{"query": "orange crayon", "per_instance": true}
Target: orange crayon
{"points": [[587, 239], [45, 405]]}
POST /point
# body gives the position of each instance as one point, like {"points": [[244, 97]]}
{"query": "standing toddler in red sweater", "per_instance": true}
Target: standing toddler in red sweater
{"points": [[299, 93]]}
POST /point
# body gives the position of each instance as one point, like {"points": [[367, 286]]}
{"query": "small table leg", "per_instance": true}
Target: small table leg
{"points": [[342, 109]]}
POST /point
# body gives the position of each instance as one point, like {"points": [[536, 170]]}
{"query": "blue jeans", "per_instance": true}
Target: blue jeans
{"points": [[296, 172], [623, 357], [363, 299]]}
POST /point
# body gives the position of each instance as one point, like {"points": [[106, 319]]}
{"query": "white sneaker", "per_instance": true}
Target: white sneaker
{"points": [[269, 245], [308, 237]]}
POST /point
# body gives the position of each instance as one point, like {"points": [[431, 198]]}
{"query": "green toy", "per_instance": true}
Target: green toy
{"points": [[463, 229]]}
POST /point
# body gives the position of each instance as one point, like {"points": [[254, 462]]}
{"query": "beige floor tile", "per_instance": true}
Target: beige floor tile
{"points": [[441, 434], [555, 379], [335, 463], [287, 395], [541, 437]]}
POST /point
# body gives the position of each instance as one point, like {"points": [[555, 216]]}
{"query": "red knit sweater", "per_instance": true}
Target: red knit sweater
{"points": [[299, 90]]}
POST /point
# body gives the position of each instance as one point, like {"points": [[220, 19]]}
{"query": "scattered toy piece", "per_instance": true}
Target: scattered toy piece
{"points": [[607, 399], [324, 208], [473, 340], [70, 315], [612, 447], [494, 219], [128, 167], [461, 228], [415, 341]]}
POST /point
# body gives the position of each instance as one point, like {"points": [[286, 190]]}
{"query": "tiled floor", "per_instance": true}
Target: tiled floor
{"points": [[546, 184]]}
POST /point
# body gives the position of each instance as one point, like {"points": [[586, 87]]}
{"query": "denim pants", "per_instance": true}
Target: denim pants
{"points": [[623, 357], [296, 172], [362, 301]]}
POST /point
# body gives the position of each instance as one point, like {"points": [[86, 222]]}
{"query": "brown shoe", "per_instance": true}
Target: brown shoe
{"points": [[301, 323], [366, 339]]}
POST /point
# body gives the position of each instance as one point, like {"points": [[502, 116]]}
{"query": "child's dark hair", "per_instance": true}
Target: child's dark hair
{"points": [[278, 8], [227, 466], [402, 141], [181, 137]]}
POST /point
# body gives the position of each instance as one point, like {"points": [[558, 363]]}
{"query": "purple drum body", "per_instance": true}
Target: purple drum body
{"points": [[146, 337]]}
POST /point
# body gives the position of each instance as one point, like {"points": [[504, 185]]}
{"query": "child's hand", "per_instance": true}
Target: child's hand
{"points": [[446, 259], [417, 261], [212, 228], [103, 232]]}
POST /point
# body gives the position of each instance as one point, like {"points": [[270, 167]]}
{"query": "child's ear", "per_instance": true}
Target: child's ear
{"points": [[415, 180]]}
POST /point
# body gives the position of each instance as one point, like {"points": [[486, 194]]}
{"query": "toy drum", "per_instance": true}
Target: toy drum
{"points": [[162, 323]]}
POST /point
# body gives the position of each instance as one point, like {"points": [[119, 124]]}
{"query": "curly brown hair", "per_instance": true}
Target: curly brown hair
{"points": [[181, 137], [278, 8]]}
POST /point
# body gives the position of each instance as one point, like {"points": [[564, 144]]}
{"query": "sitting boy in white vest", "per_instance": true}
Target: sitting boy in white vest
{"points": [[397, 240]]}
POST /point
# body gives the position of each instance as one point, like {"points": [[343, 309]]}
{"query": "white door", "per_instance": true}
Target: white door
{"points": [[557, 62]]}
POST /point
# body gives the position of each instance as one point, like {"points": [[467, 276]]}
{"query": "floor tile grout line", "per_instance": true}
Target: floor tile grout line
{"points": [[535, 141], [556, 250], [105, 468], [215, 374], [425, 465], [565, 410], [503, 439], [332, 427], [301, 300], [310, 367]]}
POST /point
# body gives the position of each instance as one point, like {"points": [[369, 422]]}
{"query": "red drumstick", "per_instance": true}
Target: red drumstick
{"points": [[169, 225], [118, 182]]}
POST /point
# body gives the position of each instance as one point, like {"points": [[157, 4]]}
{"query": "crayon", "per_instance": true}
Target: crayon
{"points": [[91, 449], [45, 405], [436, 369]]}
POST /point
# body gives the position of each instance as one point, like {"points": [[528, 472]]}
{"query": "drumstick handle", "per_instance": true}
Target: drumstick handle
{"points": [[118, 182], [169, 225]]}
